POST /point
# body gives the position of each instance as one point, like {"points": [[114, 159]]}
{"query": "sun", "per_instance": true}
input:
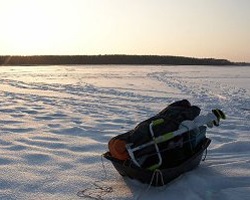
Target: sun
{"points": [[36, 27], [28, 27]]}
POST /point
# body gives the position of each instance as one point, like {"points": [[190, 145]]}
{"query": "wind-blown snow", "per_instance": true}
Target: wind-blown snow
{"points": [[56, 122]]}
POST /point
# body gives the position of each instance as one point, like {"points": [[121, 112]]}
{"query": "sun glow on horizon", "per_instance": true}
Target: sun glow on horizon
{"points": [[215, 28]]}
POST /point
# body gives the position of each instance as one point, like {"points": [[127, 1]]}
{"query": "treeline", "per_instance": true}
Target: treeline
{"points": [[110, 59]]}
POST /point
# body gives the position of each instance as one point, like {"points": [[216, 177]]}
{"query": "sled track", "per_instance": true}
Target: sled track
{"points": [[56, 121]]}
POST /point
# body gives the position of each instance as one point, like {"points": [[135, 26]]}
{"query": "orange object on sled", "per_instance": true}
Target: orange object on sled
{"points": [[117, 149]]}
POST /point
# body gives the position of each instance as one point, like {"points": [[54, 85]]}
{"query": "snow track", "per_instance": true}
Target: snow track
{"points": [[56, 122]]}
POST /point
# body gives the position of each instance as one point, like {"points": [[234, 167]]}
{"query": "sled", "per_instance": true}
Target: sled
{"points": [[155, 153], [160, 176]]}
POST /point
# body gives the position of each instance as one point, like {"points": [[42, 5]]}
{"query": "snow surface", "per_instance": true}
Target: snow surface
{"points": [[56, 122]]}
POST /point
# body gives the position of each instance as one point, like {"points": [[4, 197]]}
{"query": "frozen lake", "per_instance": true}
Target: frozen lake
{"points": [[56, 122]]}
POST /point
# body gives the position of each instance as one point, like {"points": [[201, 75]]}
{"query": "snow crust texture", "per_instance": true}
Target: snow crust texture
{"points": [[56, 122]]}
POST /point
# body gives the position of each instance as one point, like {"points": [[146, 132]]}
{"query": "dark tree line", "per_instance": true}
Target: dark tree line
{"points": [[111, 59]]}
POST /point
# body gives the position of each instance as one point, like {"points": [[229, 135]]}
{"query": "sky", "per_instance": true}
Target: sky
{"points": [[193, 28]]}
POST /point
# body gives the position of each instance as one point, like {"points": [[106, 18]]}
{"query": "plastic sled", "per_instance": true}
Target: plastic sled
{"points": [[160, 176]]}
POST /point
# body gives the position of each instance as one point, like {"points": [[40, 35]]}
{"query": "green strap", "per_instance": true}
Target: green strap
{"points": [[164, 137], [158, 122]]}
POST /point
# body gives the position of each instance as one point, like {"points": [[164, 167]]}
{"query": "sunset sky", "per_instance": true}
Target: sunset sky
{"points": [[196, 28]]}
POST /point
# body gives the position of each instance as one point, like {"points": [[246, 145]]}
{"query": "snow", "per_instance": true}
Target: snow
{"points": [[56, 122]]}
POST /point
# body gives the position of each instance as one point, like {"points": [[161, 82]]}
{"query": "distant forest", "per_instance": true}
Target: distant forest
{"points": [[112, 59]]}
